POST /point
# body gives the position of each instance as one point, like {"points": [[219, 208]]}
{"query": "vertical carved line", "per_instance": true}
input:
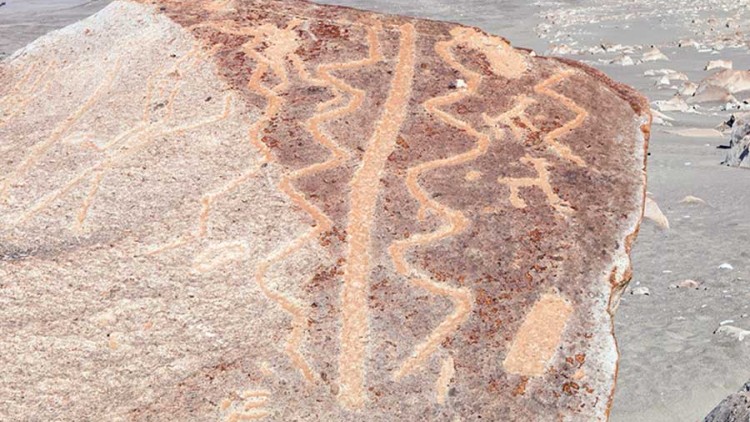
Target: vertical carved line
{"points": [[365, 187]]}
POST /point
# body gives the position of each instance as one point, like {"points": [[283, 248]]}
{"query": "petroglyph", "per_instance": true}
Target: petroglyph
{"points": [[283, 44], [542, 181], [38, 150], [447, 371], [539, 336], [120, 147], [514, 119], [457, 222], [473, 176], [249, 405], [363, 198], [552, 139], [503, 59]]}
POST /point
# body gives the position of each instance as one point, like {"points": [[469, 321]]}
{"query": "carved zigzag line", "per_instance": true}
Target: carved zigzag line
{"points": [[38, 150], [456, 221], [122, 146], [552, 139], [322, 221]]}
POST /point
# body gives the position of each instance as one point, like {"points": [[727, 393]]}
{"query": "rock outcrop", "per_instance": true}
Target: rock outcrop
{"points": [[262, 210], [731, 81], [738, 154], [735, 408]]}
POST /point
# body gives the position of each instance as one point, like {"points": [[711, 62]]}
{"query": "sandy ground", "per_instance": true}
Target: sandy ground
{"points": [[673, 367]]}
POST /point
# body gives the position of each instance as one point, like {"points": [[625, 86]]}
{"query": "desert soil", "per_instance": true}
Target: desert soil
{"points": [[673, 367]]}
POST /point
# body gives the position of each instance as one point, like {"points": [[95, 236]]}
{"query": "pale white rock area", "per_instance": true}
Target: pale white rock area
{"points": [[145, 61], [653, 213], [654, 54], [718, 64]]}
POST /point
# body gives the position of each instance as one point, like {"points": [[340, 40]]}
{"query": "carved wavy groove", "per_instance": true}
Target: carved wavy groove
{"points": [[552, 139], [455, 221], [38, 150], [121, 146], [338, 156]]}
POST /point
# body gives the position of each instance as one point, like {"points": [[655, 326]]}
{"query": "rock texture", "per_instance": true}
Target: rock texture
{"points": [[260, 210], [735, 408], [738, 154]]}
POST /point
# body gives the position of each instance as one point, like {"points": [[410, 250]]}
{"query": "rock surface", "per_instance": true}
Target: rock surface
{"points": [[738, 154], [258, 210], [735, 408]]}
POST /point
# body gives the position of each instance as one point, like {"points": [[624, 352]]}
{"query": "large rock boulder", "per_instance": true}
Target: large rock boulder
{"points": [[263, 210], [735, 408], [738, 154]]}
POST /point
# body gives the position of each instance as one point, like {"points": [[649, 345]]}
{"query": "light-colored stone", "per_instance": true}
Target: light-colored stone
{"points": [[654, 54], [738, 154], [641, 291], [653, 212], [686, 284], [732, 81], [718, 64], [690, 199]]}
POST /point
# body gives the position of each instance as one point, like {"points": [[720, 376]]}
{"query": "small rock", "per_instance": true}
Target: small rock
{"points": [[661, 118], [688, 43], [685, 284], [675, 103], [736, 106], [730, 80], [561, 50], [687, 89], [623, 60], [664, 81], [733, 331], [641, 291], [658, 72], [653, 55], [690, 199], [718, 64], [653, 213], [708, 94]]}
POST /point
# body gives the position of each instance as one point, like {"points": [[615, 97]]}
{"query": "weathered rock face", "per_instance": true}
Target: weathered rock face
{"points": [[738, 154], [241, 210], [735, 408]]}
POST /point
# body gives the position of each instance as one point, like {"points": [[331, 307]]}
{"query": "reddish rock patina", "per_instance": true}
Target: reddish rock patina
{"points": [[275, 210]]}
